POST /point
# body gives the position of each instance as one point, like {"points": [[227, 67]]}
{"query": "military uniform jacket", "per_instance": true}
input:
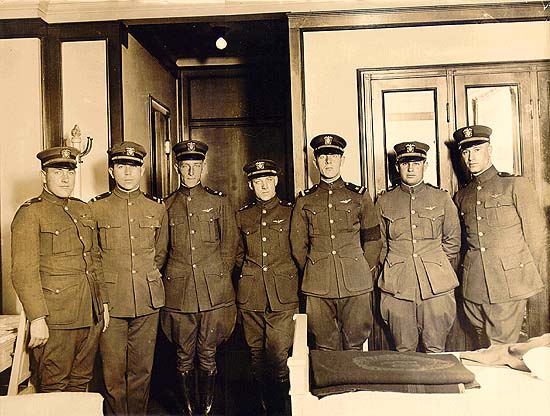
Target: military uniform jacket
{"points": [[268, 275], [335, 238], [201, 250], [133, 248], [505, 233], [421, 239], [53, 267]]}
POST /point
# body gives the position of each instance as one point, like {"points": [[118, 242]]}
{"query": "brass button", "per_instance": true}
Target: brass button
{"points": [[190, 214], [414, 226], [56, 290], [264, 223], [478, 218], [330, 192], [192, 231], [56, 232], [264, 211], [264, 239], [415, 255], [264, 254], [333, 252], [264, 269], [66, 208], [331, 221], [480, 234], [134, 272], [478, 202], [413, 197], [189, 198], [413, 211], [194, 266], [482, 249], [479, 187], [330, 205], [333, 236]]}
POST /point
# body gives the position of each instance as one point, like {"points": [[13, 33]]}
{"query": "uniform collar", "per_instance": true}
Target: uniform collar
{"points": [[126, 195], [419, 187], [489, 174], [190, 191], [270, 204], [48, 196], [338, 183]]}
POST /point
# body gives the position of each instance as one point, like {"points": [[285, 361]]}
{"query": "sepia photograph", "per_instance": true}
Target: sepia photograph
{"points": [[274, 207]]}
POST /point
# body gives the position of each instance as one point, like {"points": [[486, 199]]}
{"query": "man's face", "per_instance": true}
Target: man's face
{"points": [[477, 158], [329, 165], [127, 177], [60, 181], [411, 171], [190, 171], [264, 187]]}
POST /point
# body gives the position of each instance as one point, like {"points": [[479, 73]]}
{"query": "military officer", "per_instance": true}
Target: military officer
{"points": [[421, 241], [200, 309], [335, 237], [267, 294], [133, 248], [505, 232], [56, 278]]}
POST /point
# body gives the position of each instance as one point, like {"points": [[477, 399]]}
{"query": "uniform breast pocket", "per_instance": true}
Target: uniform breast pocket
{"points": [[110, 235], [430, 222], [209, 223], [317, 219], [55, 238], [281, 232], [501, 212], [346, 216], [178, 229], [147, 231], [396, 225], [62, 297]]}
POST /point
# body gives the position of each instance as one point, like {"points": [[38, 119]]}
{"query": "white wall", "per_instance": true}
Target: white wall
{"points": [[143, 75], [84, 83], [331, 59], [20, 141]]}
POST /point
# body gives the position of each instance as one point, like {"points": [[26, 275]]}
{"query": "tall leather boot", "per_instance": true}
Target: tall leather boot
{"points": [[207, 385], [260, 403], [280, 399], [187, 389]]}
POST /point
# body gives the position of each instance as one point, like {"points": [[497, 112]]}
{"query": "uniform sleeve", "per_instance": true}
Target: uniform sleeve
{"points": [[451, 233], [383, 234], [239, 259], [25, 255], [533, 221], [299, 239], [96, 256], [371, 239], [161, 239], [228, 235]]}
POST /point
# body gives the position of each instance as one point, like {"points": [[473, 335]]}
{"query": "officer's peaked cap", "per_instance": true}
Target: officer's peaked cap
{"points": [[411, 150], [59, 157], [472, 135], [190, 150], [127, 153], [328, 144], [260, 167]]}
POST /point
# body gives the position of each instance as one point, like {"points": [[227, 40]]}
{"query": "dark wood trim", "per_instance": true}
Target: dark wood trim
{"points": [[208, 19], [419, 16], [52, 96], [23, 28]]}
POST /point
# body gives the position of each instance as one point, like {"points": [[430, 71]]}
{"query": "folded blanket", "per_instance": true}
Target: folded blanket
{"points": [[333, 368], [399, 388]]}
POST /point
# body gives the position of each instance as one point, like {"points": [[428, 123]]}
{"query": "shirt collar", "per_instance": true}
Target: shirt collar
{"points": [[190, 191]]}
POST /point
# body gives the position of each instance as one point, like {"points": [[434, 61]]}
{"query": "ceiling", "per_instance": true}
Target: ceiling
{"points": [[247, 40]]}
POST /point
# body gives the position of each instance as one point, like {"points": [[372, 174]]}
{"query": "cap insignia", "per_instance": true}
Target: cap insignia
{"points": [[260, 165], [130, 151], [66, 153], [410, 147], [328, 139], [191, 146], [468, 132]]}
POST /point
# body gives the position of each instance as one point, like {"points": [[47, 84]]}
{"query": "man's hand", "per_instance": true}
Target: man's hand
{"points": [[39, 333], [106, 317]]}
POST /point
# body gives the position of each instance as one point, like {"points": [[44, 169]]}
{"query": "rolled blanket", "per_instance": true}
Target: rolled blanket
{"points": [[334, 368]]}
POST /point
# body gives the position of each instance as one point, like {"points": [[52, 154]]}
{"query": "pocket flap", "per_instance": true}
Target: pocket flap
{"points": [[498, 202], [153, 276], [54, 228], [432, 214], [208, 216], [314, 209], [108, 224], [149, 223], [317, 256], [393, 259], [346, 207], [392, 217], [515, 261], [437, 258], [59, 286], [355, 254], [279, 226]]}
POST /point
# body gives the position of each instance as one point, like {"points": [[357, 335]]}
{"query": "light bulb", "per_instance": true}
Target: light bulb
{"points": [[221, 43]]}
